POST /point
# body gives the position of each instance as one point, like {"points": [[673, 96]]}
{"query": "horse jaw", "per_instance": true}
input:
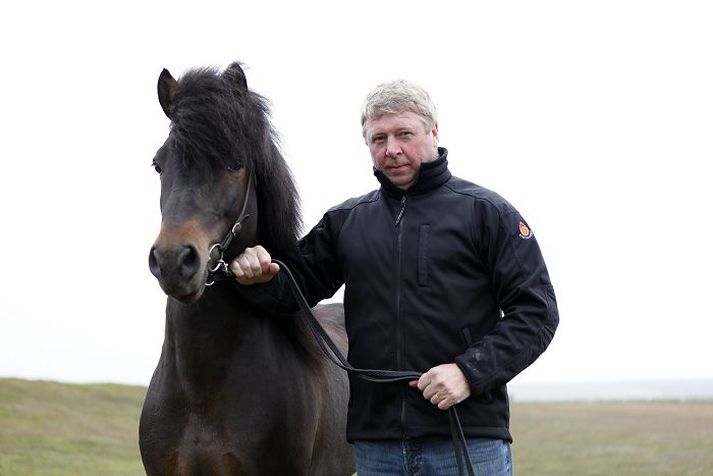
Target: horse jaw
{"points": [[187, 292], [185, 296]]}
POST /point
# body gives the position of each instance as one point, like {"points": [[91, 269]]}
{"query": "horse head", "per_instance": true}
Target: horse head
{"points": [[219, 136]]}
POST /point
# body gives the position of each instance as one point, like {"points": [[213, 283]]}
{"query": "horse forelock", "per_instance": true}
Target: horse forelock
{"points": [[218, 125]]}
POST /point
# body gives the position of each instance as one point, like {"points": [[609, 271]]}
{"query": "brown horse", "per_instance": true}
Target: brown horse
{"points": [[235, 391]]}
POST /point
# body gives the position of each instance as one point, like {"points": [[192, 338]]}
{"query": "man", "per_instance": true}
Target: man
{"points": [[441, 276]]}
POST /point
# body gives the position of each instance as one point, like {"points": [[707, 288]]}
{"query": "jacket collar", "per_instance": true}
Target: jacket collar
{"points": [[431, 175]]}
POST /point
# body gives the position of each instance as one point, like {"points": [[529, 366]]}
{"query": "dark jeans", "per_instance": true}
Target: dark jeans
{"points": [[431, 456]]}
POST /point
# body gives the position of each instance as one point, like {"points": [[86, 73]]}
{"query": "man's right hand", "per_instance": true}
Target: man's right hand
{"points": [[253, 266]]}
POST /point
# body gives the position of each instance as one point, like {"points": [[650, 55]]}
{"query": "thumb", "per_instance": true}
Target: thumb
{"points": [[273, 269]]}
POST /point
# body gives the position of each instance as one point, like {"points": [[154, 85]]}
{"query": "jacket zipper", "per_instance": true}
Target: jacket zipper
{"points": [[399, 343], [401, 214]]}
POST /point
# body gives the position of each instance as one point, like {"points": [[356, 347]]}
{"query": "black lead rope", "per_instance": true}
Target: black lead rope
{"points": [[373, 375]]}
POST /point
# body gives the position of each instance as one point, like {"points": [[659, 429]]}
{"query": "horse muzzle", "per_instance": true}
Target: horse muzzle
{"points": [[180, 270]]}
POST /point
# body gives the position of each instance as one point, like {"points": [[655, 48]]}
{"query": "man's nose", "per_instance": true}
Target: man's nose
{"points": [[392, 147]]}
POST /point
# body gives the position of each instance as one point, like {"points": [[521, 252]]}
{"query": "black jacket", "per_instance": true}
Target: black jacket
{"points": [[445, 272]]}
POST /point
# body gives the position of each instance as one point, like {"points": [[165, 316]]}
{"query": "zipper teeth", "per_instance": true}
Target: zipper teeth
{"points": [[398, 303], [401, 211], [398, 313]]}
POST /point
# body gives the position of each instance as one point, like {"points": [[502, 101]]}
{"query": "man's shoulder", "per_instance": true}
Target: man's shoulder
{"points": [[481, 196], [354, 202]]}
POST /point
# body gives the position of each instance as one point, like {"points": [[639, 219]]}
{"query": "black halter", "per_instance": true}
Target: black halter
{"points": [[221, 271]]}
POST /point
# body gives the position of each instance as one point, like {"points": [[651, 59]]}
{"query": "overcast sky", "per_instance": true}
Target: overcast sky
{"points": [[594, 119]]}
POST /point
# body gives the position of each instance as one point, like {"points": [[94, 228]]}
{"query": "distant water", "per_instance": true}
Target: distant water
{"points": [[681, 390]]}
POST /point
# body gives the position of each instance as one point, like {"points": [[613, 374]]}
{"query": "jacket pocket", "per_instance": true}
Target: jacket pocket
{"points": [[424, 230]]}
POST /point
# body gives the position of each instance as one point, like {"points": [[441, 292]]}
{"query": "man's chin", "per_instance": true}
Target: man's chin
{"points": [[401, 183]]}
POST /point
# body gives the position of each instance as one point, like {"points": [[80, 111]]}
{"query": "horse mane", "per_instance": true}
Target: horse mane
{"points": [[217, 119]]}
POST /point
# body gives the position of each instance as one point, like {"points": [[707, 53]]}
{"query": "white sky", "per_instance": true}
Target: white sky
{"points": [[594, 119]]}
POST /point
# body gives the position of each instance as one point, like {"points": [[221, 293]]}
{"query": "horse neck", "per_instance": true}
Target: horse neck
{"points": [[203, 337]]}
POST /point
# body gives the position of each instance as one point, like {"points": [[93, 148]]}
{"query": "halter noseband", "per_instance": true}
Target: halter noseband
{"points": [[220, 270]]}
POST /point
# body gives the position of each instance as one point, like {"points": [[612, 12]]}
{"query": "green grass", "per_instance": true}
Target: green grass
{"points": [[52, 429], [613, 438]]}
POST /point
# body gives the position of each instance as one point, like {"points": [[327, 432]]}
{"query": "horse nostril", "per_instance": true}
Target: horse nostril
{"points": [[188, 262], [153, 262]]}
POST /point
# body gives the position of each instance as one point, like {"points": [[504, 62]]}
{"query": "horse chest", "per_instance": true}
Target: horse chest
{"points": [[257, 421], [242, 440], [204, 449]]}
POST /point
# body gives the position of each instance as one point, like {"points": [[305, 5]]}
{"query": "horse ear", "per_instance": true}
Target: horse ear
{"points": [[235, 75], [166, 90]]}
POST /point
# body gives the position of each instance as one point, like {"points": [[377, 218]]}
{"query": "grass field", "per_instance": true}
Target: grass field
{"points": [[52, 429], [613, 438]]}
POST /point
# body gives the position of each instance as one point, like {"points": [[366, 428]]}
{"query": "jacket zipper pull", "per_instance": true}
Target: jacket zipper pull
{"points": [[401, 211]]}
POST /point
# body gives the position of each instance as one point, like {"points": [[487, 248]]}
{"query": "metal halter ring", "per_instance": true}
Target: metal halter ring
{"points": [[220, 258]]}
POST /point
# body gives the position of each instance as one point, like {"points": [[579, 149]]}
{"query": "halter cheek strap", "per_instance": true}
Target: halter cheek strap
{"points": [[220, 271]]}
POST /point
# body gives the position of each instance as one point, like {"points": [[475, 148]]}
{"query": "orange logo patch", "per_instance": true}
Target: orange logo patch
{"points": [[525, 232]]}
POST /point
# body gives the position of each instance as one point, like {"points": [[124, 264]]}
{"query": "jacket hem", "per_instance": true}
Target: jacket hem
{"points": [[424, 432]]}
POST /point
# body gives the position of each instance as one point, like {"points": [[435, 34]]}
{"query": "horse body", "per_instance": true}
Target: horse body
{"points": [[235, 395], [235, 391]]}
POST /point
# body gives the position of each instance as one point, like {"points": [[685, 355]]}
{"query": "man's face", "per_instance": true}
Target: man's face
{"points": [[399, 144]]}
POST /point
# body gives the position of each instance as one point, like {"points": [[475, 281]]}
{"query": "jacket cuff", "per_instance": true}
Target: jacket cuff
{"points": [[268, 297]]}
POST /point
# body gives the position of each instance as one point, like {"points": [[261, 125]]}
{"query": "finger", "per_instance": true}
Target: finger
{"points": [[423, 382], [268, 268], [262, 257], [434, 392], [261, 253], [258, 250], [413, 383], [441, 400], [254, 261], [247, 264], [242, 269], [451, 400], [273, 269], [236, 269]]}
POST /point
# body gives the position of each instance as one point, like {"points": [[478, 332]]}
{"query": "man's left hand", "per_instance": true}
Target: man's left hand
{"points": [[444, 385]]}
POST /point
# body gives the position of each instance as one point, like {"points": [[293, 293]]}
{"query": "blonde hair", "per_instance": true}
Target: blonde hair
{"points": [[398, 96]]}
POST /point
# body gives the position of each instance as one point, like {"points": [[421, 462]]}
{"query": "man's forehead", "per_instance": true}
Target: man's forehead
{"points": [[393, 120]]}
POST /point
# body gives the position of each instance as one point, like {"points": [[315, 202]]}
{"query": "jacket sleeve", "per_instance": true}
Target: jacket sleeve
{"points": [[313, 262], [521, 285]]}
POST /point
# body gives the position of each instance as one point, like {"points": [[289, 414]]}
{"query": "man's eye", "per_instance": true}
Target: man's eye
{"points": [[377, 139]]}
